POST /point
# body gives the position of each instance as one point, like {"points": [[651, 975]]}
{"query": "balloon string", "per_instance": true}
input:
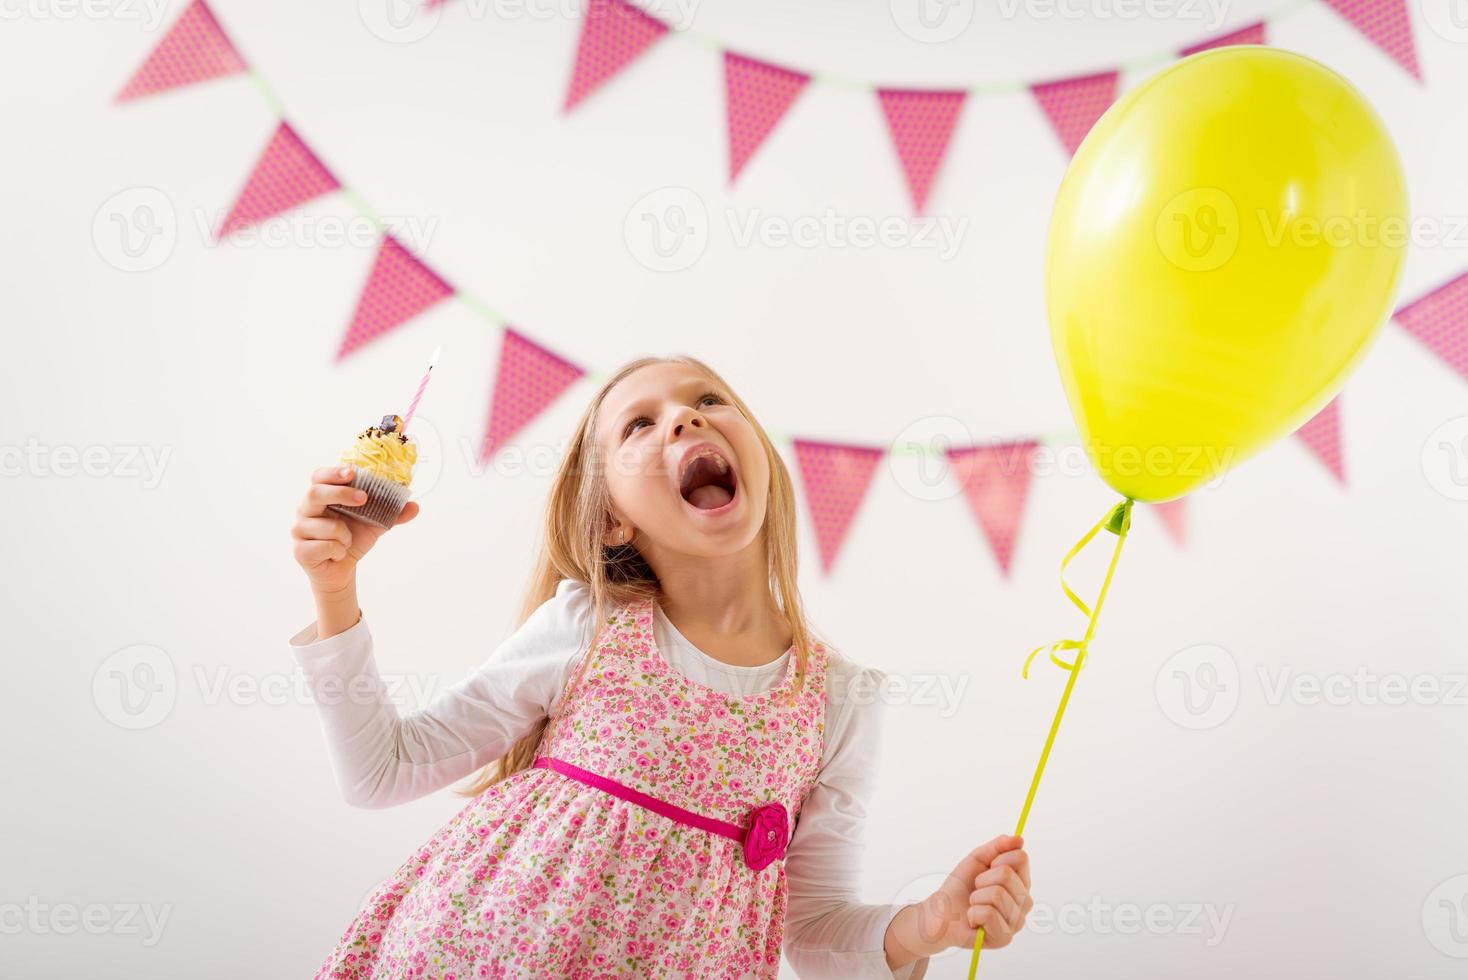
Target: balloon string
{"points": [[1118, 520]]}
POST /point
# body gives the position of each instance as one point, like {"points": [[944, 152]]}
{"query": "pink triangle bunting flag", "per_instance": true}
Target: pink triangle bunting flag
{"points": [[286, 175], [757, 97], [921, 123], [1253, 34], [613, 33], [1322, 436], [195, 49], [528, 378], [1074, 104], [836, 478], [1386, 24], [1440, 321], [398, 288], [996, 482], [1174, 518]]}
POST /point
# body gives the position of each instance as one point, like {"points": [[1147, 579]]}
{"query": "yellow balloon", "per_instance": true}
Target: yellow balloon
{"points": [[1225, 245]]}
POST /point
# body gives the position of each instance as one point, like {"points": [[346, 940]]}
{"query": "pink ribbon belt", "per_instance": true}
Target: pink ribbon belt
{"points": [[764, 837]]}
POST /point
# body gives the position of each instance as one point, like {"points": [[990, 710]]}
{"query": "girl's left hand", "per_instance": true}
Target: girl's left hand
{"points": [[990, 888]]}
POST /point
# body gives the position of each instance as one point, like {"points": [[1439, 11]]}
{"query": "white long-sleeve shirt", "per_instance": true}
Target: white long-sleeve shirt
{"points": [[381, 758]]}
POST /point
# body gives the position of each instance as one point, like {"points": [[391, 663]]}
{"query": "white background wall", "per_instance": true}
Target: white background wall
{"points": [[1328, 835]]}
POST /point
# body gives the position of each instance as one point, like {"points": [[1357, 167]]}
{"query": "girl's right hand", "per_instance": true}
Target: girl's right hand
{"points": [[327, 546]]}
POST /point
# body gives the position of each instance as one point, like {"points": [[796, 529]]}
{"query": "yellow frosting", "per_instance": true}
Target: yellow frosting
{"points": [[384, 453]]}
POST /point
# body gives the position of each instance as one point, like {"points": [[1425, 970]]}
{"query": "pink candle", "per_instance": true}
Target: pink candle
{"points": [[419, 393]]}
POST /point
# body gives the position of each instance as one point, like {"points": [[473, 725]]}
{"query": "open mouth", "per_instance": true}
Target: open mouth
{"points": [[708, 482]]}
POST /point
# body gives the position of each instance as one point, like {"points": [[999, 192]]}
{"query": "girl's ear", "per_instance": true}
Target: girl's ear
{"points": [[617, 536]]}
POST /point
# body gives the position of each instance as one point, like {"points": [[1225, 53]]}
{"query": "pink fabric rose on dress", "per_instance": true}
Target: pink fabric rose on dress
{"points": [[765, 838]]}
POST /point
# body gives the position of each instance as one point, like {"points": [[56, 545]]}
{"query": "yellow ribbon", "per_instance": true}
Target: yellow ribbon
{"points": [[1118, 520]]}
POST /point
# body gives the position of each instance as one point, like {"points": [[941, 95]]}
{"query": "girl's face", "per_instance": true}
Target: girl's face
{"points": [[649, 427]]}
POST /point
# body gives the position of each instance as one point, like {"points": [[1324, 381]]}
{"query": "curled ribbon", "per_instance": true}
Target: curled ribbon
{"points": [[1118, 520]]}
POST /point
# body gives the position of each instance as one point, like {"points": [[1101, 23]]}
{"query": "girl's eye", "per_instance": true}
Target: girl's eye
{"points": [[632, 425]]}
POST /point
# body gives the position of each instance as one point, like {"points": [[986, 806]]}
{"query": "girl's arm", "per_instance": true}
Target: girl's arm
{"points": [[829, 933], [381, 758]]}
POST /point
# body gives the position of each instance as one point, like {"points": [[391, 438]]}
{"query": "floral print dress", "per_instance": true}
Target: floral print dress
{"points": [[542, 875]]}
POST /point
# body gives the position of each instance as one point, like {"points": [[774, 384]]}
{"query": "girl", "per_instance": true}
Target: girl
{"points": [[659, 797]]}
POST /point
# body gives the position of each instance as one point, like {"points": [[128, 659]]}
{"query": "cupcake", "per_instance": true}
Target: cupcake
{"points": [[382, 461]]}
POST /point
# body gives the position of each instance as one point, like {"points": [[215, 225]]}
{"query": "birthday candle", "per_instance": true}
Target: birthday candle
{"points": [[421, 385]]}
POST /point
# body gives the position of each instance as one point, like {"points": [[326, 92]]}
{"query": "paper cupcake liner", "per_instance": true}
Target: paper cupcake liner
{"points": [[385, 499]]}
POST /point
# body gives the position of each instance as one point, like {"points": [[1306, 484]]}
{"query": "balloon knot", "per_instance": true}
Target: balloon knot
{"points": [[1120, 518]]}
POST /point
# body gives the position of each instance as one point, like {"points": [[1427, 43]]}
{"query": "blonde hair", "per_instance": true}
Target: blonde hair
{"points": [[578, 513]]}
